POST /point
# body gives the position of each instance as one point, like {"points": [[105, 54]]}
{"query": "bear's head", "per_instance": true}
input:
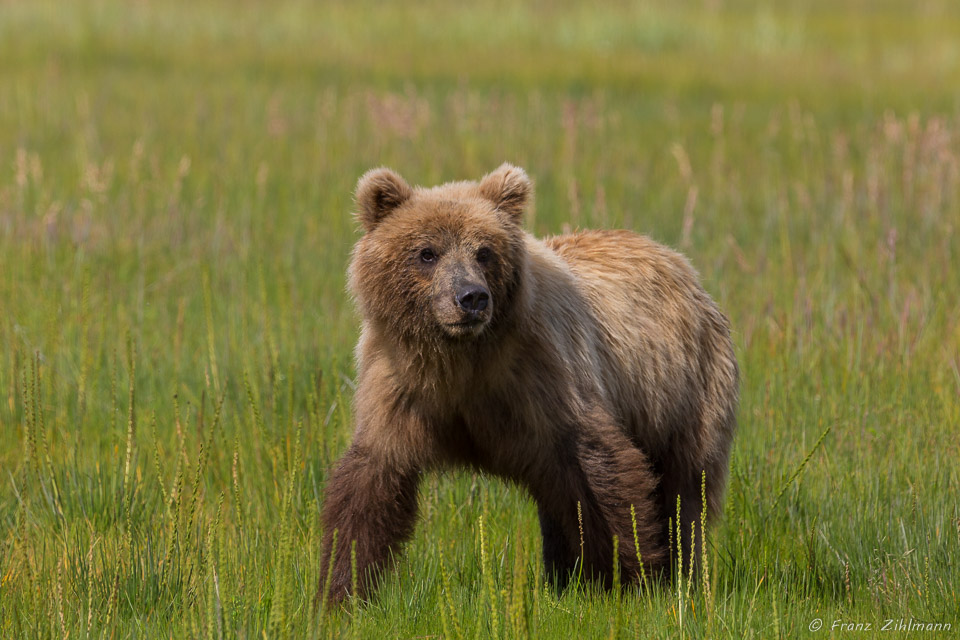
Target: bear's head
{"points": [[441, 263]]}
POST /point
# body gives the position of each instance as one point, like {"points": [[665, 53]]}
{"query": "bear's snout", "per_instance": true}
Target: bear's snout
{"points": [[473, 299], [465, 307]]}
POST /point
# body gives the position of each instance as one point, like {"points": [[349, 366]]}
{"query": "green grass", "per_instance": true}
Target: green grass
{"points": [[176, 372]]}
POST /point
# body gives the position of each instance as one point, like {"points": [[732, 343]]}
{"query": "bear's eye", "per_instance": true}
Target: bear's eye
{"points": [[484, 255], [427, 256]]}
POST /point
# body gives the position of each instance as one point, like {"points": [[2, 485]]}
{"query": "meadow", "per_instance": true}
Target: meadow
{"points": [[176, 338]]}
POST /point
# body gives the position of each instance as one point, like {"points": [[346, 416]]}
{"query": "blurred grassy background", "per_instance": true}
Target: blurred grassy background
{"points": [[175, 189]]}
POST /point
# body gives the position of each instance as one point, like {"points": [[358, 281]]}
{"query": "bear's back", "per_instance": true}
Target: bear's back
{"points": [[659, 329]]}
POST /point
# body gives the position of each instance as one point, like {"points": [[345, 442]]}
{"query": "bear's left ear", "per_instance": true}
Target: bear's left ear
{"points": [[509, 188], [379, 192]]}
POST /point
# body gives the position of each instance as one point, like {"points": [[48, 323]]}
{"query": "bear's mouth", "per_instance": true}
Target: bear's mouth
{"points": [[471, 322], [466, 327]]}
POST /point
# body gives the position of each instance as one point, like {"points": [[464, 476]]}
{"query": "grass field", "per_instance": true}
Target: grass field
{"points": [[176, 369]]}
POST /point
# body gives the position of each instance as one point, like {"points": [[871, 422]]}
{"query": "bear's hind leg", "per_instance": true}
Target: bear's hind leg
{"points": [[684, 480]]}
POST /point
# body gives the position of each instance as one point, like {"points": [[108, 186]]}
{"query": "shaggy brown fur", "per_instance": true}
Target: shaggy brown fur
{"points": [[590, 368]]}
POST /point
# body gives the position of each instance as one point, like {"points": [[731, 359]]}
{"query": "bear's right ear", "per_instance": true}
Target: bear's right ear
{"points": [[379, 192]]}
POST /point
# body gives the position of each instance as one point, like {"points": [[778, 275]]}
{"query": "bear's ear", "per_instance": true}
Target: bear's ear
{"points": [[379, 192], [509, 188]]}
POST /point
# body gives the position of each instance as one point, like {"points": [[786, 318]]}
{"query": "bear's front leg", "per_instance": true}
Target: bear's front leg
{"points": [[559, 559], [370, 501], [605, 477]]}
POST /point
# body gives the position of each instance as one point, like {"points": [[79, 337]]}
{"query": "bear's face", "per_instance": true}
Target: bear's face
{"points": [[442, 262]]}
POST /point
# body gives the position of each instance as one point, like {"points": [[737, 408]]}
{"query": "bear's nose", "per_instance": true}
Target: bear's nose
{"points": [[473, 299]]}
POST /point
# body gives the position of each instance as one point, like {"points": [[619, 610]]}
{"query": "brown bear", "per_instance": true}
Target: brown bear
{"points": [[591, 369]]}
